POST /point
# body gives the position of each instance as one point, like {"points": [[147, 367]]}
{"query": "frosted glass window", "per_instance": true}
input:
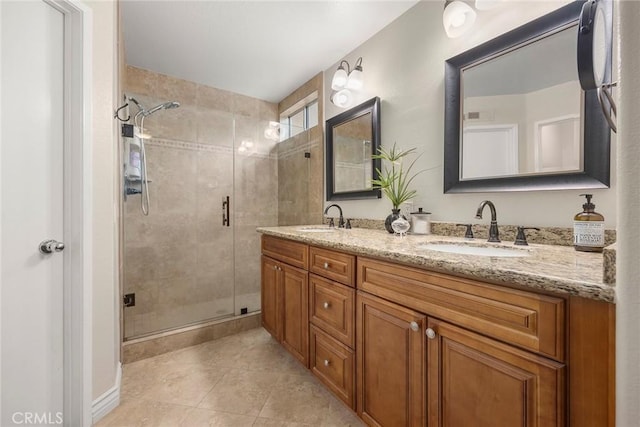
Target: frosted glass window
{"points": [[312, 115], [296, 123], [306, 117]]}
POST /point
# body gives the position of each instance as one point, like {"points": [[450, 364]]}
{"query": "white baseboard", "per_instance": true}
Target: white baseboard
{"points": [[109, 400]]}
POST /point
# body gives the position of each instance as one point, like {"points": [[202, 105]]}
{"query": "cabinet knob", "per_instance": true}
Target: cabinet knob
{"points": [[414, 326], [431, 334], [275, 267], [326, 362], [326, 265], [326, 305]]}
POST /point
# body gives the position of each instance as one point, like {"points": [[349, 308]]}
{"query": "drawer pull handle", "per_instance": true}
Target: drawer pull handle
{"points": [[326, 305], [415, 327], [326, 265], [326, 362], [431, 334]]}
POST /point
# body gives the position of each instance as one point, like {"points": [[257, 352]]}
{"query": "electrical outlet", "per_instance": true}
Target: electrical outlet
{"points": [[129, 300]]}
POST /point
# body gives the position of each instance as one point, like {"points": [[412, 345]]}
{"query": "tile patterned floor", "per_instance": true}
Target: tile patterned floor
{"points": [[246, 379]]}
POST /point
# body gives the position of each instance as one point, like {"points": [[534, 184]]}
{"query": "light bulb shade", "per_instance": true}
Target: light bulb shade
{"points": [[343, 98], [355, 81], [487, 4], [340, 79], [457, 18]]}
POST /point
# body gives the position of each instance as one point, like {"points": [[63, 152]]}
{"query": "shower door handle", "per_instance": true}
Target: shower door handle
{"points": [[225, 212]]}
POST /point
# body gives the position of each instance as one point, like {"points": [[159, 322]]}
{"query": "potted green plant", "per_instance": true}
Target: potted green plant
{"points": [[394, 179]]}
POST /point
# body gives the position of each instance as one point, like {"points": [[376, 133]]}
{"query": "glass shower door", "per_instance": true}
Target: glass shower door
{"points": [[179, 260]]}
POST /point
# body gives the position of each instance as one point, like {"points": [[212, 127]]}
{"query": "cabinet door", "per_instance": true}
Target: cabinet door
{"points": [[295, 309], [480, 382], [270, 296], [391, 363]]}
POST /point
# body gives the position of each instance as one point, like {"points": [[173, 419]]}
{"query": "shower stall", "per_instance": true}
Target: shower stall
{"points": [[211, 177]]}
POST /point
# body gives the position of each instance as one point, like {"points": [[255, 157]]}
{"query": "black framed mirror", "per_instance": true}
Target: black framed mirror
{"points": [[352, 138], [562, 141]]}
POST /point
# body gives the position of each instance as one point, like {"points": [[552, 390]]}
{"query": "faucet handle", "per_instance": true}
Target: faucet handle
{"points": [[331, 223], [521, 237], [348, 224], [469, 231]]}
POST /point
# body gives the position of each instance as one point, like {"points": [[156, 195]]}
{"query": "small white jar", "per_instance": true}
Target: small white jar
{"points": [[420, 222]]}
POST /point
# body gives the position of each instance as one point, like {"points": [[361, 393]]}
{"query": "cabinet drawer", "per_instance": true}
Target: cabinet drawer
{"points": [[333, 265], [532, 321], [332, 308], [293, 253], [334, 364]]}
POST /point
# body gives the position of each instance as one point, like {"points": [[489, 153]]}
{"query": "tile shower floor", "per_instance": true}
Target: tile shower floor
{"points": [[246, 379]]}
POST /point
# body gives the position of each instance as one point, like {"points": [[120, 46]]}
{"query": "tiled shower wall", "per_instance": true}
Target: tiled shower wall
{"points": [[300, 165], [182, 263]]}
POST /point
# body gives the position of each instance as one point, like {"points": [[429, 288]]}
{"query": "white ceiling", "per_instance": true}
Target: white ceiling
{"points": [[263, 49]]}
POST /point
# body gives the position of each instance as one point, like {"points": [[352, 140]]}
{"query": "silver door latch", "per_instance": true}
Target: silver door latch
{"points": [[50, 246]]}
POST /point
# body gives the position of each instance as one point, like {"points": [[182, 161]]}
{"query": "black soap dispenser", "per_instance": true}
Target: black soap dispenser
{"points": [[588, 228]]}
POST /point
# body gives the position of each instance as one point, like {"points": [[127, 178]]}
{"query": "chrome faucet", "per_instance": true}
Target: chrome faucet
{"points": [[493, 229], [340, 221]]}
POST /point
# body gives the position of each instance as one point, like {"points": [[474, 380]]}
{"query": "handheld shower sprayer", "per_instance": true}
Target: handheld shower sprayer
{"points": [[142, 114], [166, 106]]}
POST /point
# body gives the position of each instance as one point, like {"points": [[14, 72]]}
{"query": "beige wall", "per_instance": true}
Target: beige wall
{"points": [[183, 265], [403, 64], [628, 268], [106, 334]]}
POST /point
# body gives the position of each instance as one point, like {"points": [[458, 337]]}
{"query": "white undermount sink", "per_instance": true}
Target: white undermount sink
{"points": [[317, 229], [474, 249]]}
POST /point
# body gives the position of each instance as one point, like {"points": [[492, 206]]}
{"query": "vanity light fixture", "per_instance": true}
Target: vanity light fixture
{"points": [[272, 132], [351, 79], [342, 98], [457, 18], [246, 146], [488, 4], [344, 81], [594, 55]]}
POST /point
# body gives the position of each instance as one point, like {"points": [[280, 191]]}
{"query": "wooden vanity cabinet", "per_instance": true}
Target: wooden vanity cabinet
{"points": [[332, 321], [270, 297], [285, 295], [404, 346], [391, 363], [477, 381]]}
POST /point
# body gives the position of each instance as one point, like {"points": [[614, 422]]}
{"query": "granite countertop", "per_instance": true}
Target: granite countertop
{"points": [[558, 269]]}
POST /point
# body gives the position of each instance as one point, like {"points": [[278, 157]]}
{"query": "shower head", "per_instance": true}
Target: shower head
{"points": [[166, 106]]}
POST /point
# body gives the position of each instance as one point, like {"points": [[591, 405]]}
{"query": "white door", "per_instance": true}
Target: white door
{"points": [[32, 53], [489, 151], [558, 144]]}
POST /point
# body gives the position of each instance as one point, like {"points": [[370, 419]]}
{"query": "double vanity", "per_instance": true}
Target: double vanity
{"points": [[444, 331]]}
